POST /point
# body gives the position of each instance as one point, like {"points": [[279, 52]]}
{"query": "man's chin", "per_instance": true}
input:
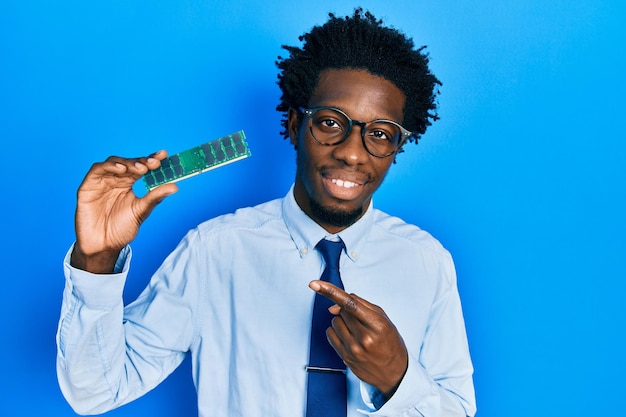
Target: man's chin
{"points": [[334, 217]]}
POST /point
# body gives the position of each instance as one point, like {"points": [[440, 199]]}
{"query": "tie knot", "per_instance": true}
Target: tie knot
{"points": [[331, 251]]}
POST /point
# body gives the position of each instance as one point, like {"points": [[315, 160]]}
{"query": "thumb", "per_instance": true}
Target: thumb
{"points": [[148, 202]]}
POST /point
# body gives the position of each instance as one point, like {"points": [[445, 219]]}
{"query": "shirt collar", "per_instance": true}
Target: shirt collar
{"points": [[305, 233]]}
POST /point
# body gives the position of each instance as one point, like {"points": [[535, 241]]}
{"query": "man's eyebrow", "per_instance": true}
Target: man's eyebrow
{"points": [[377, 117]]}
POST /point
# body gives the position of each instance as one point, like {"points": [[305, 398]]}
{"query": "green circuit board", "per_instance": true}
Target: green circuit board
{"points": [[200, 159]]}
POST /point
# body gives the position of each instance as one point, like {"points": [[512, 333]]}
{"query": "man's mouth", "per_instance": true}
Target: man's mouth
{"points": [[345, 184], [343, 188]]}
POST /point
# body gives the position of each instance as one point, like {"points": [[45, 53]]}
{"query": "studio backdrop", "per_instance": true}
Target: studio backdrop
{"points": [[522, 178]]}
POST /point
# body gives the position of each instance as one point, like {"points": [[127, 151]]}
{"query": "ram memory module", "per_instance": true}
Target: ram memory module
{"points": [[200, 159]]}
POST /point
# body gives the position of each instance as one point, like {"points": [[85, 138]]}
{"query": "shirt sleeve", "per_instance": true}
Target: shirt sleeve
{"points": [[108, 354], [438, 381]]}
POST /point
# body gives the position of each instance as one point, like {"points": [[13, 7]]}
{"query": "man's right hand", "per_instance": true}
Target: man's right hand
{"points": [[108, 213]]}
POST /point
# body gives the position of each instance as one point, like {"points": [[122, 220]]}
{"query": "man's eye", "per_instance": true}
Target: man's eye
{"points": [[379, 135], [329, 124]]}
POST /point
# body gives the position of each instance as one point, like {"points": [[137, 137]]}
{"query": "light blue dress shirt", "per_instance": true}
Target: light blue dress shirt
{"points": [[234, 295]]}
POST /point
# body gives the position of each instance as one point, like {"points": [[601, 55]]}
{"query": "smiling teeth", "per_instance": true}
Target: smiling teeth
{"points": [[345, 184]]}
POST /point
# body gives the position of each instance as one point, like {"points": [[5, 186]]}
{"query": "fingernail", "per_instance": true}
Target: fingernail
{"points": [[314, 285], [334, 309]]}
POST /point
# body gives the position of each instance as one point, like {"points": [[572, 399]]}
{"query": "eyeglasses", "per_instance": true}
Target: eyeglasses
{"points": [[330, 126]]}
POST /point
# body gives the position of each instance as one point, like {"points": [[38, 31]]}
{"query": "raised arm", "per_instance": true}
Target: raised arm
{"points": [[97, 370], [109, 213]]}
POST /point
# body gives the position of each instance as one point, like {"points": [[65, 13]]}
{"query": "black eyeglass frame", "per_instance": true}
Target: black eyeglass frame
{"points": [[404, 133]]}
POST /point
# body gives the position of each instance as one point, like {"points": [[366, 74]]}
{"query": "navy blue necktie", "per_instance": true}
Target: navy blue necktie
{"points": [[326, 388]]}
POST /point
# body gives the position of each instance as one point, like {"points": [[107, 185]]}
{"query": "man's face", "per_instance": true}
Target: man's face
{"points": [[334, 184]]}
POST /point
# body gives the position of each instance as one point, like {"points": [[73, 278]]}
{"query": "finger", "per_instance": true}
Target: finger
{"points": [[110, 166], [160, 155], [346, 342], [109, 170], [348, 303], [373, 318], [116, 167], [369, 305], [159, 193], [340, 331], [154, 160], [335, 310], [155, 197], [330, 291], [339, 339], [140, 165]]}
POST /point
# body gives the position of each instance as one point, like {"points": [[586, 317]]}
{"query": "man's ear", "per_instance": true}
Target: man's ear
{"points": [[292, 127]]}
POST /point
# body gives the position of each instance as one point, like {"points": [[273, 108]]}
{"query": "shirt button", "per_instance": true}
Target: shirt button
{"points": [[353, 254], [304, 251]]}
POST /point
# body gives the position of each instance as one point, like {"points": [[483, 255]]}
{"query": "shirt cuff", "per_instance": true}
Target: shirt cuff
{"points": [[414, 389], [99, 291]]}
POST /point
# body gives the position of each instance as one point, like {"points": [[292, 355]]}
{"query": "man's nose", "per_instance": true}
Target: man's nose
{"points": [[352, 150]]}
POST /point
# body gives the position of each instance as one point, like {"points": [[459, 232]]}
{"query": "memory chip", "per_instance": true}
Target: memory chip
{"points": [[200, 159]]}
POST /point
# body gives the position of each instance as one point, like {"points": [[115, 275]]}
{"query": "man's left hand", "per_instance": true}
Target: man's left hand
{"points": [[365, 338]]}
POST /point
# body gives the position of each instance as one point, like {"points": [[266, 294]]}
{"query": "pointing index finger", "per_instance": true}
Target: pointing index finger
{"points": [[335, 294]]}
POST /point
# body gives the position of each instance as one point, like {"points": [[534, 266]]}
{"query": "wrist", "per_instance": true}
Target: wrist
{"points": [[388, 393], [97, 263]]}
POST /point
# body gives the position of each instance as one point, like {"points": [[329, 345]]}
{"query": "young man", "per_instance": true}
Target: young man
{"points": [[353, 96]]}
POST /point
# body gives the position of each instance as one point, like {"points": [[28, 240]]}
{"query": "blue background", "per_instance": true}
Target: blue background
{"points": [[522, 179]]}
